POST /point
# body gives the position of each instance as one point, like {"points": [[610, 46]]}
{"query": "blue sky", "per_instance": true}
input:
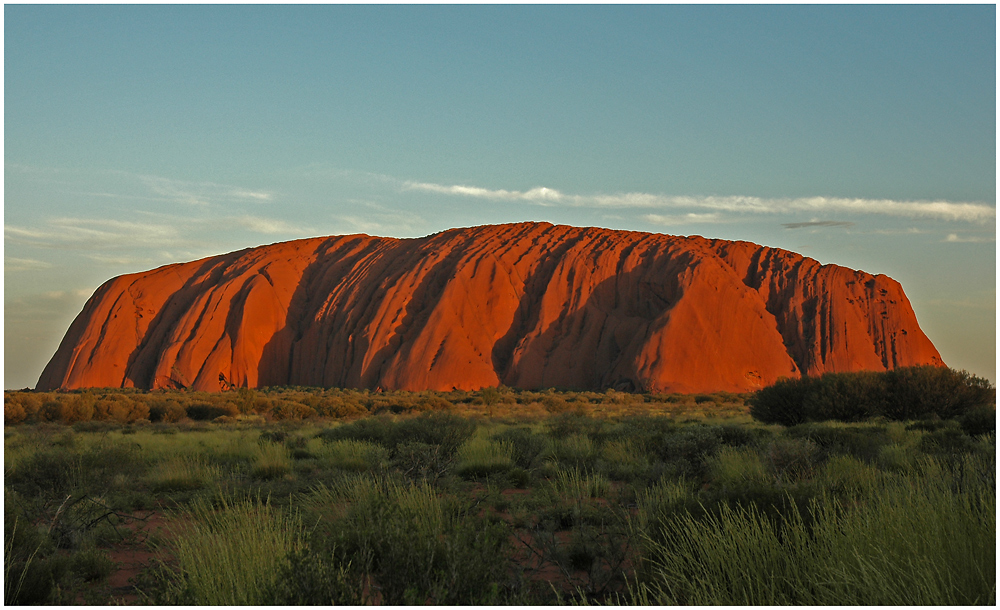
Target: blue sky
{"points": [[136, 136]]}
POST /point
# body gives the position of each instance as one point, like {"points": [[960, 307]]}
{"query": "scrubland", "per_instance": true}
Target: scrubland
{"points": [[308, 496]]}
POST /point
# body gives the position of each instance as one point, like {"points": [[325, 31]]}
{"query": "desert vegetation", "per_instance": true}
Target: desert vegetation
{"points": [[310, 496]]}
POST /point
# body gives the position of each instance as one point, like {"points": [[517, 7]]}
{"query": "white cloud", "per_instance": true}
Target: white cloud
{"points": [[936, 210], [23, 264], [818, 224], [957, 239], [538, 194], [682, 219]]}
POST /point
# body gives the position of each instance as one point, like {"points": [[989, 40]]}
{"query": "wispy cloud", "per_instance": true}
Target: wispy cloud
{"points": [[201, 193], [120, 260], [389, 222], [93, 233], [968, 239], [23, 264], [269, 226], [817, 224], [682, 219], [539, 194], [937, 210]]}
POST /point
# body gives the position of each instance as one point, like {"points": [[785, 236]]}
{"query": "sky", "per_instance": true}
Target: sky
{"points": [[136, 136]]}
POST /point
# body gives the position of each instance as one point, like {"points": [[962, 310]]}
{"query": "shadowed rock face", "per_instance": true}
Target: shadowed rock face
{"points": [[527, 305]]}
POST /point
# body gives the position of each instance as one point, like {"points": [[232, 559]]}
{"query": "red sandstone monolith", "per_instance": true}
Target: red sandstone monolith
{"points": [[528, 305]]}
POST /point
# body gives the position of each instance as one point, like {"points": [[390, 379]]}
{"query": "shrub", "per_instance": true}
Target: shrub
{"points": [[920, 391], [782, 402], [316, 578], [120, 408], [13, 412], [166, 411], [80, 408], [979, 420], [92, 564], [555, 404], [51, 411], [448, 431], [416, 548], [846, 397], [206, 411], [286, 409], [906, 393]]}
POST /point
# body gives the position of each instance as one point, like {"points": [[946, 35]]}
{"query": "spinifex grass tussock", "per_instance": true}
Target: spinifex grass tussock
{"points": [[928, 539], [16, 563], [231, 554], [349, 454], [845, 474], [478, 457], [271, 461], [580, 485], [575, 449], [659, 502], [736, 467], [624, 458], [182, 473]]}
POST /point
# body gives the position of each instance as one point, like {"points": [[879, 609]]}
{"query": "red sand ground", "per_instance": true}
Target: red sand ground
{"points": [[529, 305]]}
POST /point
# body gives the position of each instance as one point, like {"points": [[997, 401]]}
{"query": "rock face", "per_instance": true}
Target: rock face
{"points": [[527, 305]]}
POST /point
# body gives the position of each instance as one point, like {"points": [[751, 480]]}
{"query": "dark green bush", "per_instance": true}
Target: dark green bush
{"points": [[979, 420], [917, 392], [465, 562], [781, 403], [946, 441], [862, 442], [206, 411], [920, 391], [846, 397], [448, 431], [316, 579], [689, 448], [443, 429]]}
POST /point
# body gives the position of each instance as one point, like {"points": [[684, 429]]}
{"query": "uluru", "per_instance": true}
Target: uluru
{"points": [[529, 305]]}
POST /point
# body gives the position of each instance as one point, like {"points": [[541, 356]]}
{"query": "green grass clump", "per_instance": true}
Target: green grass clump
{"points": [[580, 485], [910, 541], [349, 454], [271, 461], [479, 457], [660, 501], [231, 555], [624, 458], [736, 468], [182, 474]]}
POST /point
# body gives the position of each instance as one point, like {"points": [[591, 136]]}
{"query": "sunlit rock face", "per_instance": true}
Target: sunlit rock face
{"points": [[528, 305]]}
